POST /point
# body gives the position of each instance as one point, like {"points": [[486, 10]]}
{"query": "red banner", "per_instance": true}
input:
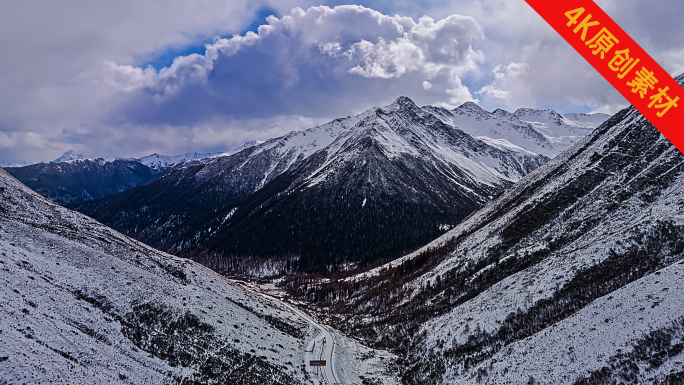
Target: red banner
{"points": [[620, 60]]}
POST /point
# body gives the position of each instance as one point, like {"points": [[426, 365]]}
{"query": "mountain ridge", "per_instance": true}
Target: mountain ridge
{"points": [[398, 159], [544, 132], [568, 277], [72, 178]]}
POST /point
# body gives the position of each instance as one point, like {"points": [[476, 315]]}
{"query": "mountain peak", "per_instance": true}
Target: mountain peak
{"points": [[472, 109], [69, 155], [469, 105], [680, 79], [521, 112], [402, 102], [472, 106], [500, 113]]}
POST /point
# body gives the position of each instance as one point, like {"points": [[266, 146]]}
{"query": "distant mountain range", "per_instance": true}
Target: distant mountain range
{"points": [[72, 178], [359, 189], [83, 179], [149, 160], [543, 132]]}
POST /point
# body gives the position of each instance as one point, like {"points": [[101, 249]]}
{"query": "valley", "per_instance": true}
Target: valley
{"points": [[587, 246], [322, 192], [84, 304]]}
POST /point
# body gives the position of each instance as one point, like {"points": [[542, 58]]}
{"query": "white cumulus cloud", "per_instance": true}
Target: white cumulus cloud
{"points": [[311, 54]]}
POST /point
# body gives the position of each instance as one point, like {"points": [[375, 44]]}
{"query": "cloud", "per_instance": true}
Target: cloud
{"points": [[611, 109], [215, 135], [556, 76], [547, 74], [511, 84], [51, 71], [493, 92], [74, 74], [429, 47], [317, 62], [16, 145]]}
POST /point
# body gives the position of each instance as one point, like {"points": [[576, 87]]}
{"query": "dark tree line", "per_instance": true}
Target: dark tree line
{"points": [[333, 233], [649, 353]]}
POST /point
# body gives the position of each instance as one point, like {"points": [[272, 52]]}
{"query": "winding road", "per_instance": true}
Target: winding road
{"points": [[316, 350], [320, 348]]}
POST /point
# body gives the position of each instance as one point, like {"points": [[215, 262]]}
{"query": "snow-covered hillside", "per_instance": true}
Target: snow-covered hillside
{"points": [[573, 270], [82, 304], [572, 276]]}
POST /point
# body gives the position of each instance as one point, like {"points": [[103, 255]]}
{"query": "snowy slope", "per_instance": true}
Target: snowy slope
{"points": [[83, 304], [587, 120], [69, 155], [562, 130], [638, 326], [540, 131], [569, 277]]}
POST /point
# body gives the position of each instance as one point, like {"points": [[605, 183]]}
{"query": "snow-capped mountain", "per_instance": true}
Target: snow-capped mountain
{"points": [[360, 188], [561, 130], [163, 162], [83, 304], [69, 155], [572, 276], [541, 131], [15, 164]]}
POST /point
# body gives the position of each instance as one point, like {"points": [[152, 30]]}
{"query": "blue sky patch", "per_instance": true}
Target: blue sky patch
{"points": [[260, 19], [165, 58]]}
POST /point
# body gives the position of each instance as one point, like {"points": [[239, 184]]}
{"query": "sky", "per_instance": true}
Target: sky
{"points": [[130, 78]]}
